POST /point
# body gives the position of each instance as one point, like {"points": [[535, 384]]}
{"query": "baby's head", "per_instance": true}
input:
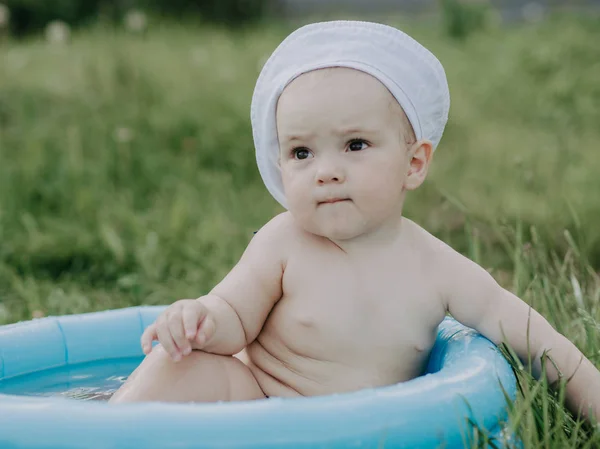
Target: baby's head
{"points": [[343, 136], [348, 111]]}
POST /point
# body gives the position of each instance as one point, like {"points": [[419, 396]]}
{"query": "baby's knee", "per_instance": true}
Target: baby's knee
{"points": [[196, 360], [199, 377]]}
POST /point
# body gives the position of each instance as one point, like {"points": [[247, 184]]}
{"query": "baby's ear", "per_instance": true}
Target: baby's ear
{"points": [[420, 155]]}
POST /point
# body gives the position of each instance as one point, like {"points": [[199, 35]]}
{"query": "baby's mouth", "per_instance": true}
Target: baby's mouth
{"points": [[333, 201]]}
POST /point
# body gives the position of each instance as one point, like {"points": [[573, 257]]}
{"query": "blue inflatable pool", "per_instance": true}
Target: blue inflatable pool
{"points": [[46, 364]]}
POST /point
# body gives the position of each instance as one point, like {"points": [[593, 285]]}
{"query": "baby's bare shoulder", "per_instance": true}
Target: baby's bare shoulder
{"points": [[281, 229], [435, 253], [449, 269], [424, 242], [277, 237]]}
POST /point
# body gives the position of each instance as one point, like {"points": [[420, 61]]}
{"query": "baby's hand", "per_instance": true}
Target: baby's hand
{"points": [[185, 325]]}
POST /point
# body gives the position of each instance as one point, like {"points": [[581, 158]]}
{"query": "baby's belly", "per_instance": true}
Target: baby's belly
{"points": [[281, 372]]}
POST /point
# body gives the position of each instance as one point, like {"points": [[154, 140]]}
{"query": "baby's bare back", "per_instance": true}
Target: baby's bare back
{"points": [[345, 322]]}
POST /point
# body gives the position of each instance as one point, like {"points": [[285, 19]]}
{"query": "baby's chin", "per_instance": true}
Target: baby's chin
{"points": [[335, 228]]}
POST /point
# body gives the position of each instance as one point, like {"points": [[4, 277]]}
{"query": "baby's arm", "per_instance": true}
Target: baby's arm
{"points": [[475, 299], [241, 302]]}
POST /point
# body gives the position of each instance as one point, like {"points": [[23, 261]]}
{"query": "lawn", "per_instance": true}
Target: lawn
{"points": [[128, 175]]}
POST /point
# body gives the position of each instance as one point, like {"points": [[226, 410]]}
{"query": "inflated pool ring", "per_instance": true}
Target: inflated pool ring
{"points": [[467, 382]]}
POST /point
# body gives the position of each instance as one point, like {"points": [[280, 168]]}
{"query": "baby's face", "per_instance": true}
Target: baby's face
{"points": [[343, 152]]}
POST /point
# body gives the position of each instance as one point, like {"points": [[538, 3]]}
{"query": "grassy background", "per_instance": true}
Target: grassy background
{"points": [[127, 172]]}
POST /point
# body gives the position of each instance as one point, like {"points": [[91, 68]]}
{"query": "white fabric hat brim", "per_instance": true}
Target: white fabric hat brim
{"points": [[410, 72]]}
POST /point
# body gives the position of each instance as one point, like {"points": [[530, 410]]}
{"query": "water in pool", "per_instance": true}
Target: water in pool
{"points": [[93, 381]]}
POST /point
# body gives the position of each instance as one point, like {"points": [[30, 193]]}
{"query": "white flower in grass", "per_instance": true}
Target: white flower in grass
{"points": [[577, 291], [136, 21], [58, 32], [4, 16], [123, 134]]}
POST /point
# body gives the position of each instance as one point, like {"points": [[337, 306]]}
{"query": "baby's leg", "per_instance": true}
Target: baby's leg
{"points": [[198, 377]]}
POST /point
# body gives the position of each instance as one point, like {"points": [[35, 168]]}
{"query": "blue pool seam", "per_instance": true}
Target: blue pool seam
{"points": [[64, 338], [1, 365]]}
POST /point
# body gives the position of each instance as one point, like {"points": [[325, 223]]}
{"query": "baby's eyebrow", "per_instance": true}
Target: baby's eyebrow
{"points": [[297, 137], [339, 132], [354, 130]]}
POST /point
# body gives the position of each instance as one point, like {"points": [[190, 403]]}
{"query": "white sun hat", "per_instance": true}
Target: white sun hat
{"points": [[413, 75]]}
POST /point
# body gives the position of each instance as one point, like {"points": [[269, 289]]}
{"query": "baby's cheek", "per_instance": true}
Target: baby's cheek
{"points": [[299, 202], [379, 196], [290, 187], [376, 187], [296, 192]]}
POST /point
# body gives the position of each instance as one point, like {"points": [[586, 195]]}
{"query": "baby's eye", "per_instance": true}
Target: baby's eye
{"points": [[301, 153], [357, 145]]}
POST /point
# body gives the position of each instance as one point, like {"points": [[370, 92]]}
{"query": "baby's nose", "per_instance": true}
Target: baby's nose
{"points": [[330, 173]]}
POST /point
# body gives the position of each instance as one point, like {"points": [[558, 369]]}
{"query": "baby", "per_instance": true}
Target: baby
{"points": [[342, 292]]}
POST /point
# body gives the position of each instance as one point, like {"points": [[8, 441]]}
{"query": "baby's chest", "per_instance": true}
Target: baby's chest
{"points": [[336, 306]]}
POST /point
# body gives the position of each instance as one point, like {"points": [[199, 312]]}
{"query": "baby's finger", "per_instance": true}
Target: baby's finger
{"points": [[148, 337], [192, 316], [178, 334], [164, 336], [207, 330]]}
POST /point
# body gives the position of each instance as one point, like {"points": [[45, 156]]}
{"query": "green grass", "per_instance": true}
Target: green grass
{"points": [[127, 173]]}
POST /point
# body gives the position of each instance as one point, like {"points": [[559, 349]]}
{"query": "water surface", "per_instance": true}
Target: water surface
{"points": [[93, 381]]}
